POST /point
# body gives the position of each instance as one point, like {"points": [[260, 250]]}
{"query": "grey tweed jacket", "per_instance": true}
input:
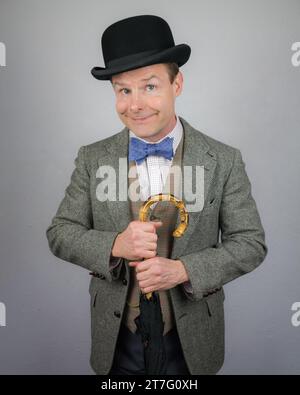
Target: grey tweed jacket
{"points": [[222, 242]]}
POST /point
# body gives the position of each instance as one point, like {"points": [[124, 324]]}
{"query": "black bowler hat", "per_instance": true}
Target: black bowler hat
{"points": [[136, 42]]}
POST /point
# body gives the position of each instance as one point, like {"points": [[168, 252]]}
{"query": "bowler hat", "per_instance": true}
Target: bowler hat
{"points": [[136, 42]]}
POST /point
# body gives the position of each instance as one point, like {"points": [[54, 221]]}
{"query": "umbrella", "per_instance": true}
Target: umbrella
{"points": [[150, 321]]}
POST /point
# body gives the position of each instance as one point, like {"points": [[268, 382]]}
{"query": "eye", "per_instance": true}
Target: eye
{"points": [[124, 90], [151, 86]]}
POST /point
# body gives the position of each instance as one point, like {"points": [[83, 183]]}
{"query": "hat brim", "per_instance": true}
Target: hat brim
{"points": [[178, 54]]}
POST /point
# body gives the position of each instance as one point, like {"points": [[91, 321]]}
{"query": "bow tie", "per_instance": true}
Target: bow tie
{"points": [[139, 150]]}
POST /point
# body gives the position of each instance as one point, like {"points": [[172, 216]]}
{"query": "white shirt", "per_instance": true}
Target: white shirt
{"points": [[153, 170]]}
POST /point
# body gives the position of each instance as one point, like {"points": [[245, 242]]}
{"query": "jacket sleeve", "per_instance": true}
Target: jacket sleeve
{"points": [[187, 290], [242, 247], [71, 236], [115, 266]]}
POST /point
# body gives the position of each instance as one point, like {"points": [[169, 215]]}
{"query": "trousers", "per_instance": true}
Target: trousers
{"points": [[129, 355]]}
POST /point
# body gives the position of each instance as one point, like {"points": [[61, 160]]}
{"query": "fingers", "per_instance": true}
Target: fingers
{"points": [[145, 284], [142, 239], [151, 226], [140, 266], [157, 224], [149, 254], [150, 246]]}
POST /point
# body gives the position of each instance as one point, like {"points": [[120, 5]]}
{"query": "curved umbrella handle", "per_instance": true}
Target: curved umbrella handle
{"points": [[184, 216]]}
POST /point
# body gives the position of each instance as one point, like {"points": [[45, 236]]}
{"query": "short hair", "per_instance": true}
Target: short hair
{"points": [[172, 69]]}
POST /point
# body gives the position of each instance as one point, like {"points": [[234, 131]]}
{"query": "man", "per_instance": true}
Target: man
{"points": [[127, 256]]}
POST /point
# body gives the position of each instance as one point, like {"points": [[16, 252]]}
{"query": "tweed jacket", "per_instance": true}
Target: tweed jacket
{"points": [[224, 240]]}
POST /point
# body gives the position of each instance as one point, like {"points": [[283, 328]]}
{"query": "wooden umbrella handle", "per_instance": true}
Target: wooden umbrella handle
{"points": [[184, 216]]}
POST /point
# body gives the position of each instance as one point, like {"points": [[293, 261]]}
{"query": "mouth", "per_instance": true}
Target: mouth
{"points": [[141, 120]]}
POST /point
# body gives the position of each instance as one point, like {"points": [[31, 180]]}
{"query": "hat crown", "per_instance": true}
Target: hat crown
{"points": [[136, 42], [134, 35]]}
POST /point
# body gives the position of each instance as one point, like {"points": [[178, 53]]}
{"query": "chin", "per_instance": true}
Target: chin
{"points": [[143, 130], [151, 129]]}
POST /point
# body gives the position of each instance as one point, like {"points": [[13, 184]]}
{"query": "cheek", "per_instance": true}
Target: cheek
{"points": [[156, 102], [121, 106]]}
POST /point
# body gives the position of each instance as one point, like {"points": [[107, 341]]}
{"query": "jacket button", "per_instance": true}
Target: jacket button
{"points": [[117, 314], [124, 281]]}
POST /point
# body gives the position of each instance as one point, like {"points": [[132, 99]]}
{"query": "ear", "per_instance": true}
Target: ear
{"points": [[178, 84]]}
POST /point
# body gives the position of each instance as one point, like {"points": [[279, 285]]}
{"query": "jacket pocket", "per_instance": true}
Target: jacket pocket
{"points": [[208, 307], [94, 298], [210, 207], [214, 302]]}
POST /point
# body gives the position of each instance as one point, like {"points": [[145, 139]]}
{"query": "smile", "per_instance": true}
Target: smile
{"points": [[141, 120]]}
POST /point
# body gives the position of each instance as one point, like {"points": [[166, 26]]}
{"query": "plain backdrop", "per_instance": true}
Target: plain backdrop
{"points": [[240, 87]]}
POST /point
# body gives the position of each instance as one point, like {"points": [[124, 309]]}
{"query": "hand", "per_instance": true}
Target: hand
{"points": [[138, 241], [159, 274]]}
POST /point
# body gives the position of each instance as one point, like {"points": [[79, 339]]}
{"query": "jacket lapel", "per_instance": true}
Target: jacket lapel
{"points": [[117, 148], [196, 152]]}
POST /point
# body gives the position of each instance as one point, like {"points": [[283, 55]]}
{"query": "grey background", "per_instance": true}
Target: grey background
{"points": [[240, 87]]}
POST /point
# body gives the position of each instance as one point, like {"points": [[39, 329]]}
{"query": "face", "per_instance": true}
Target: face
{"points": [[145, 100]]}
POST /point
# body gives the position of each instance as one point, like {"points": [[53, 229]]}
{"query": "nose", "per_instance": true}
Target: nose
{"points": [[136, 103]]}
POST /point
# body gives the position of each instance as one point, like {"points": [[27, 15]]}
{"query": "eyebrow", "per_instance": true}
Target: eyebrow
{"points": [[144, 79]]}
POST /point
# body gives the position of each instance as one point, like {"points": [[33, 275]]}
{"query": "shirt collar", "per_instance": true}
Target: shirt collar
{"points": [[176, 133]]}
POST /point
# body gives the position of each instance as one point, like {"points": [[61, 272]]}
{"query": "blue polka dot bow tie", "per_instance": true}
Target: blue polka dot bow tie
{"points": [[139, 150]]}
